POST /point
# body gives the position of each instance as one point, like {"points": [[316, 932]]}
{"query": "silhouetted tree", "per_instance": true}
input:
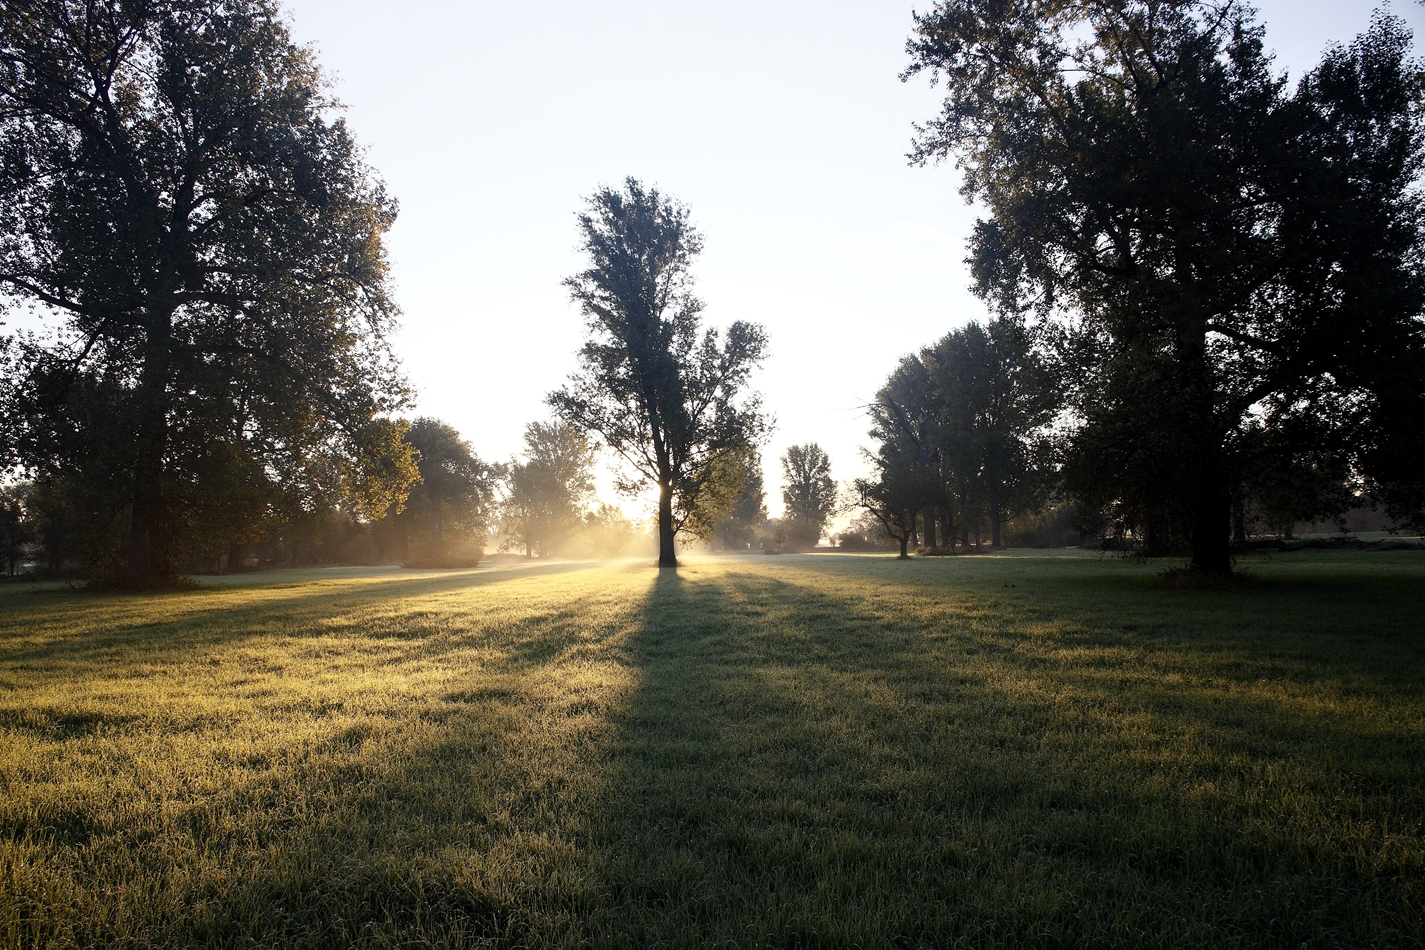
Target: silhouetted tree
{"points": [[17, 527], [1225, 253], [450, 505], [993, 398], [548, 490], [904, 418], [176, 196], [808, 493], [891, 495], [738, 529], [669, 399]]}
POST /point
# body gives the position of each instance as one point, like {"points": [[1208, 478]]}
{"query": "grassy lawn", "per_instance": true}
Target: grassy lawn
{"points": [[818, 751]]}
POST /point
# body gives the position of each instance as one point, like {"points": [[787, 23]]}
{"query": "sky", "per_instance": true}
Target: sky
{"points": [[782, 124]]}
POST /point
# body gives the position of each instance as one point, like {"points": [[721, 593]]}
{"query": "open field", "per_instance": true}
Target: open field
{"points": [[793, 752]]}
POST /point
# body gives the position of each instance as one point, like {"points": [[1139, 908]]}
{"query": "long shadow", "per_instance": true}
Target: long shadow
{"points": [[745, 756], [82, 628], [450, 811], [797, 768]]}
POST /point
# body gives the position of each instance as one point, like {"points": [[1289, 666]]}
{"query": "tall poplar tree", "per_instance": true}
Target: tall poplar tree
{"points": [[669, 398]]}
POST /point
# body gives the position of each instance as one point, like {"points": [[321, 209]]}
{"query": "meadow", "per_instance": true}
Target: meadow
{"points": [[799, 751]]}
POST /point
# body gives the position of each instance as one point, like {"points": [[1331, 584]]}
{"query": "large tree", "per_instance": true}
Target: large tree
{"points": [[808, 493], [180, 202], [670, 399], [1230, 255], [904, 422], [891, 495]]}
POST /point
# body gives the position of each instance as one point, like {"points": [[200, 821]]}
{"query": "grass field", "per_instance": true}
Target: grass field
{"points": [[817, 751]]}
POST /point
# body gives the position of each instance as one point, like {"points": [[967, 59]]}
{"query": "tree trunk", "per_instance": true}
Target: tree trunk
{"points": [[147, 557], [904, 540], [1211, 515], [234, 559], [1211, 549], [930, 526], [667, 557], [994, 523], [1239, 518]]}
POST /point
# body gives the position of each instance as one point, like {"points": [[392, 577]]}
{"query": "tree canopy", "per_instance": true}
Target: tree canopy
{"points": [[1238, 264], [548, 490], [670, 399], [808, 493], [182, 204]]}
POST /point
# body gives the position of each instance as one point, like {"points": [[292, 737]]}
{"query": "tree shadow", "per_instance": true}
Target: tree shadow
{"points": [[811, 763], [737, 755], [77, 629]]}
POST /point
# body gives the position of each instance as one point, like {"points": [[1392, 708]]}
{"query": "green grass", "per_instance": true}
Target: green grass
{"points": [[816, 751]]}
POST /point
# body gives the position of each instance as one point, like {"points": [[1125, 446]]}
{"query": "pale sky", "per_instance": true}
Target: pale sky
{"points": [[782, 125]]}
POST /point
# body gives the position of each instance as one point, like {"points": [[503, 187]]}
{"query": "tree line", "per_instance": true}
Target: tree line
{"points": [[1207, 283], [1205, 289]]}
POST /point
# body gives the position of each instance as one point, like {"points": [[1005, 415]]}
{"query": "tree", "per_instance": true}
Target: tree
{"points": [[548, 490], [892, 495], [738, 529], [176, 197], [450, 504], [670, 400], [609, 531], [904, 416], [1225, 253], [808, 493], [732, 480], [993, 398]]}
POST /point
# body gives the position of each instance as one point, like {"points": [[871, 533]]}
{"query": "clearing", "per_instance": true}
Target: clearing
{"points": [[815, 751]]}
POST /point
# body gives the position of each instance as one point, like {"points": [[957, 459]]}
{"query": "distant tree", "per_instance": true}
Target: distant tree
{"points": [[808, 493], [891, 495], [176, 196], [670, 400], [1225, 253], [864, 533], [993, 398], [548, 489], [738, 529], [904, 422], [724, 488], [450, 505], [610, 532]]}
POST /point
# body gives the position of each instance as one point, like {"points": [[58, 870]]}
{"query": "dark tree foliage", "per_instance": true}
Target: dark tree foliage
{"points": [[179, 202], [1232, 257], [670, 399], [548, 490], [965, 421], [808, 493], [891, 495], [903, 423], [17, 524], [994, 397], [739, 528], [448, 508]]}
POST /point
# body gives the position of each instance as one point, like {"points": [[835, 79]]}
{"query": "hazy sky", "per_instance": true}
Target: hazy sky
{"points": [[782, 125]]}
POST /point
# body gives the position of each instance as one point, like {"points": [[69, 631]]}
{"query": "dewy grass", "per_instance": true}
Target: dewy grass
{"points": [[798, 751]]}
